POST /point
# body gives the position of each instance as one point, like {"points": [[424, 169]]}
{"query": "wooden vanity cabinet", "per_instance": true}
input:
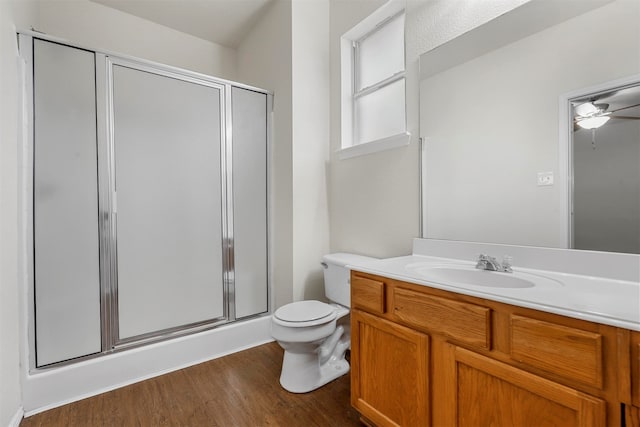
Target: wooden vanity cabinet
{"points": [[390, 382], [390, 385], [635, 368], [632, 412], [422, 356], [488, 392]]}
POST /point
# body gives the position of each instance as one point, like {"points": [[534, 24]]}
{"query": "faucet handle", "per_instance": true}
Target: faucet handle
{"points": [[483, 262], [493, 259], [507, 263]]}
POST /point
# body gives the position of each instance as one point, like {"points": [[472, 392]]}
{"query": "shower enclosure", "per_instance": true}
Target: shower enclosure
{"points": [[149, 201]]}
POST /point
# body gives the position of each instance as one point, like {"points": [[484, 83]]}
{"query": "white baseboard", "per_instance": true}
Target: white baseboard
{"points": [[17, 418], [50, 388]]}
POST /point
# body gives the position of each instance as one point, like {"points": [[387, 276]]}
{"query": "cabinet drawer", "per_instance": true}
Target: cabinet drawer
{"points": [[569, 352], [367, 294], [467, 323]]}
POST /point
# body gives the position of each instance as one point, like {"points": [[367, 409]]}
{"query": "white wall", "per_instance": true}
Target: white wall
{"points": [[12, 15], [492, 125], [310, 56], [99, 27], [374, 198], [288, 52], [264, 60]]}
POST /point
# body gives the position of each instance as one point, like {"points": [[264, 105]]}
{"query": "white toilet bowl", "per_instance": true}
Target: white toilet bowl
{"points": [[315, 335]]}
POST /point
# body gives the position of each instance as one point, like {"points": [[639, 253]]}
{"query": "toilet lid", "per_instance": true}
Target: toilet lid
{"points": [[304, 311]]}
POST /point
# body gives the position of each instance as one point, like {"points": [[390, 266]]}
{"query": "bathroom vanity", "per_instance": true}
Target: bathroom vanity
{"points": [[556, 342], [444, 354]]}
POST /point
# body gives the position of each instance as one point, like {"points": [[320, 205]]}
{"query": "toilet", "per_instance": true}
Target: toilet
{"points": [[315, 335]]}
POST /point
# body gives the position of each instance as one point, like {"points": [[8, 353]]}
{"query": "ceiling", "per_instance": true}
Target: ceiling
{"points": [[220, 21]]}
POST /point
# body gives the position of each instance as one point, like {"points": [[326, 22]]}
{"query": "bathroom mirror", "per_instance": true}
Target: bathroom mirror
{"points": [[604, 163], [497, 117]]}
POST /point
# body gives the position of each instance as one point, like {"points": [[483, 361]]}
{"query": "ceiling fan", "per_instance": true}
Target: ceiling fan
{"points": [[592, 115]]}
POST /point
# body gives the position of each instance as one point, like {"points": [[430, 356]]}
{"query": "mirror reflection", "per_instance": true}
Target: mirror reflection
{"points": [[498, 163], [606, 170]]}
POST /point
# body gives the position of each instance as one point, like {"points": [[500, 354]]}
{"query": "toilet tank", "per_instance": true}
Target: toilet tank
{"points": [[337, 276]]}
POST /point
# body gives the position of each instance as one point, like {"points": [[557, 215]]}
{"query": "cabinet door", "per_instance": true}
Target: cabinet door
{"points": [[389, 372], [632, 416], [632, 412], [486, 392], [635, 368]]}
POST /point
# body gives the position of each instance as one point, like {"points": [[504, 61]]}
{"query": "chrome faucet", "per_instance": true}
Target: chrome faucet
{"points": [[486, 262]]}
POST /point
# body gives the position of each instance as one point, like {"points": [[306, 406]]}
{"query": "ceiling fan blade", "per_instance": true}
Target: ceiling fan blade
{"points": [[625, 117], [625, 108]]}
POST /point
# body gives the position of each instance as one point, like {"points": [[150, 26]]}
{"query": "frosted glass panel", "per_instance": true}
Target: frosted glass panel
{"points": [[381, 113], [381, 54], [250, 200], [167, 161], [67, 280]]}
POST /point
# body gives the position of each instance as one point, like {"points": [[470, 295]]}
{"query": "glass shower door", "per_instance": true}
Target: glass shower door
{"points": [[168, 201], [249, 175], [65, 204]]}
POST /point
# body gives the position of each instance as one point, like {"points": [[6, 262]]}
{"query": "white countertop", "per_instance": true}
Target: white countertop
{"points": [[597, 299]]}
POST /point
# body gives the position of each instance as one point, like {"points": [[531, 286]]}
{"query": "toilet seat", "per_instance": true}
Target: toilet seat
{"points": [[304, 313]]}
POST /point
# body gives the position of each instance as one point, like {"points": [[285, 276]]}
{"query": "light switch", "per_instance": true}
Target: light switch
{"points": [[545, 178]]}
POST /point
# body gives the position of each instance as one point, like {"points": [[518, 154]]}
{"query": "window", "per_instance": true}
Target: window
{"points": [[373, 83]]}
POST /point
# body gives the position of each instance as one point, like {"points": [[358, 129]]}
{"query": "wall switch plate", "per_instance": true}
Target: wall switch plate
{"points": [[545, 178]]}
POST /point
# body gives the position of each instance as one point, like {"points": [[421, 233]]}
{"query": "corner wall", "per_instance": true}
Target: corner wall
{"points": [[374, 199], [374, 207], [288, 52], [310, 55], [264, 60]]}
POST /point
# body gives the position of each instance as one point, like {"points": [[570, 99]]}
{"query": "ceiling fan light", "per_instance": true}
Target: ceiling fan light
{"points": [[593, 122], [586, 109]]}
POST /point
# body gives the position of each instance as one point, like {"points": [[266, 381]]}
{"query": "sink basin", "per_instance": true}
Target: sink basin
{"points": [[467, 275]]}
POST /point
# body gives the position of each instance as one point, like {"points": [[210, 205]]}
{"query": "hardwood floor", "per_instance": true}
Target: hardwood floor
{"points": [[239, 390]]}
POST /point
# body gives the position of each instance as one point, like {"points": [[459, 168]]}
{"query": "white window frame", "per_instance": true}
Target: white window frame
{"points": [[350, 147]]}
